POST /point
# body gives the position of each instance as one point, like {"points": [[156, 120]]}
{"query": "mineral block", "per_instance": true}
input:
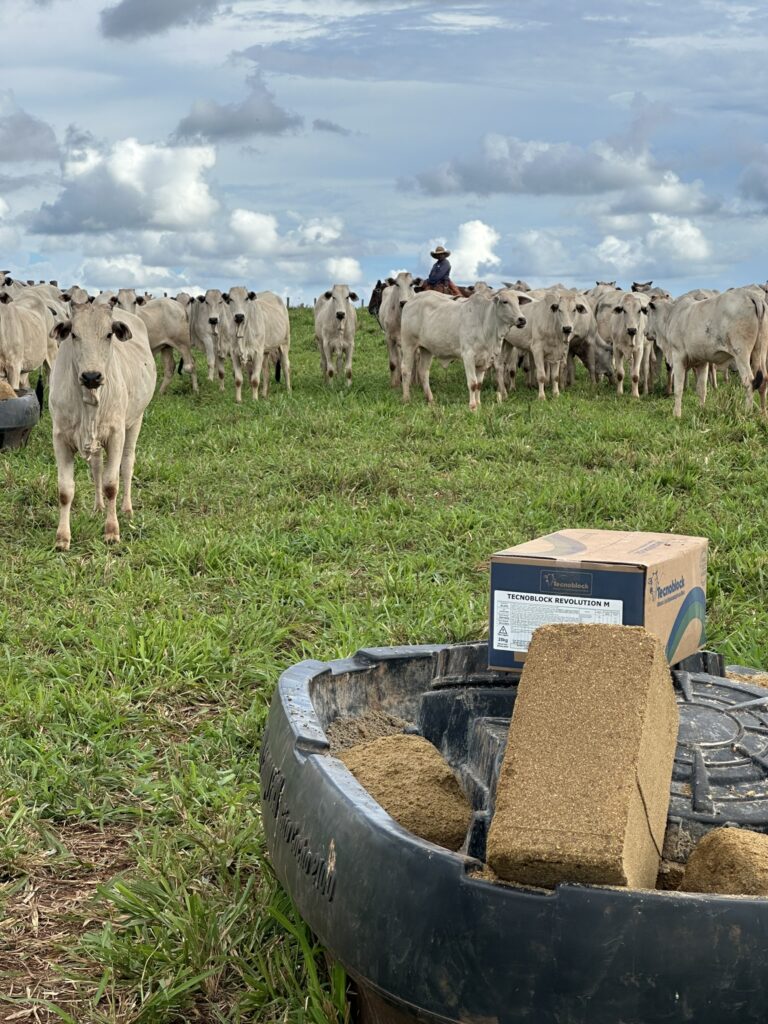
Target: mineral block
{"points": [[583, 792]]}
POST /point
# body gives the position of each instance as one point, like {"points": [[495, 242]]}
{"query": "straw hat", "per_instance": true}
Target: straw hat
{"points": [[439, 251]]}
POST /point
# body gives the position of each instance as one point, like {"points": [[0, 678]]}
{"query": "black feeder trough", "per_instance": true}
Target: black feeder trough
{"points": [[425, 937], [17, 417]]}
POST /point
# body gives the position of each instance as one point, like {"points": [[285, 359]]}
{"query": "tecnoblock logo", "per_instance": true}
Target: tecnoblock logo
{"points": [[565, 581], [660, 593]]}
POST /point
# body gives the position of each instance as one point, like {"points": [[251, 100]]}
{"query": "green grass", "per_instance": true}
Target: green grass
{"points": [[136, 680]]}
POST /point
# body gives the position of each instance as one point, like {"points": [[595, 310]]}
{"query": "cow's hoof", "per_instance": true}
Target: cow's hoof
{"points": [[62, 543], [112, 537]]}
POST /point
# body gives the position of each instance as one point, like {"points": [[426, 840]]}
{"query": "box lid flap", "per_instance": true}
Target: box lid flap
{"points": [[611, 546]]}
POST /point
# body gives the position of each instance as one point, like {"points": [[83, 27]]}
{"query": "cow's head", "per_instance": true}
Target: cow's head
{"points": [[240, 301], [631, 313], [92, 332], [507, 304], [339, 298], [210, 311]]}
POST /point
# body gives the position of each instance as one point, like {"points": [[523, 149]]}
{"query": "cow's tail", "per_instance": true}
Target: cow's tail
{"points": [[760, 356], [180, 367], [278, 367]]}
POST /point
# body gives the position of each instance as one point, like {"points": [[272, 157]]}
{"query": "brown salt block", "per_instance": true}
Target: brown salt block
{"points": [[412, 782], [731, 861], [583, 791]]}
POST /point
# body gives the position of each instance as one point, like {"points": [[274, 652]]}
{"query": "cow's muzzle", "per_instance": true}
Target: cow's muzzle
{"points": [[521, 321], [340, 315], [567, 330], [213, 321], [239, 318], [91, 379], [631, 331]]}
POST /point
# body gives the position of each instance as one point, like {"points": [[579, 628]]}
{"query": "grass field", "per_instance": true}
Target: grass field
{"points": [[136, 680]]}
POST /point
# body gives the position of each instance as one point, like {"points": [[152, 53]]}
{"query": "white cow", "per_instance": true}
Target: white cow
{"points": [[398, 291], [470, 330], [23, 341], [725, 328], [545, 337], [102, 382], [51, 311], [167, 328], [621, 320], [335, 325], [212, 330]]}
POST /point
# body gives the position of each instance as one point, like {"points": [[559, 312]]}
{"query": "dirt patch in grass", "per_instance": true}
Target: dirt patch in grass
{"points": [[43, 916]]}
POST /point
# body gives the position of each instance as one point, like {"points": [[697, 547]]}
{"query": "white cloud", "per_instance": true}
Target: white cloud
{"points": [[344, 269], [127, 271], [132, 184], [474, 248], [258, 231], [619, 253], [321, 230], [676, 238]]}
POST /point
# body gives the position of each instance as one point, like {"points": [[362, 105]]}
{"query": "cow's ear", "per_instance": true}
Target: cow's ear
{"points": [[61, 331], [328, 294], [390, 280], [5, 298], [651, 305], [555, 306], [522, 299], [417, 280], [251, 295], [8, 280], [581, 309], [92, 298], [121, 331], [201, 298], [353, 296], [140, 300], [227, 297], [65, 297], [114, 300], [618, 309], [644, 309]]}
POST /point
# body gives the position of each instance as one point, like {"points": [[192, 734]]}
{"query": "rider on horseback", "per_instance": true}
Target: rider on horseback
{"points": [[439, 279]]}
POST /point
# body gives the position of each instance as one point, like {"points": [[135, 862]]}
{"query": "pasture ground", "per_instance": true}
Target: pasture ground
{"points": [[135, 681]]}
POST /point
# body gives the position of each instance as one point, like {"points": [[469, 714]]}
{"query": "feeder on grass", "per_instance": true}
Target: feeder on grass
{"points": [[17, 418], [422, 931]]}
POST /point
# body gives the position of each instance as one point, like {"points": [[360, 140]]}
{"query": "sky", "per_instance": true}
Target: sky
{"points": [[177, 145]]}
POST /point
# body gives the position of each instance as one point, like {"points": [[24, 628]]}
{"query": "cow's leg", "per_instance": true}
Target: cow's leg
{"points": [[65, 466], [348, 365], [330, 369], [188, 365], [169, 367], [323, 358], [395, 358], [220, 370], [256, 365], [285, 362], [702, 375], [635, 367], [237, 371], [473, 385], [744, 371], [540, 373], [554, 377], [713, 376], [645, 365], [13, 373], [126, 464], [95, 464], [500, 368], [406, 370], [678, 380], [114, 448]]}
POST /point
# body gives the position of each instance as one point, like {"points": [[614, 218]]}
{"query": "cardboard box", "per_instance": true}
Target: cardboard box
{"points": [[583, 791], [656, 580]]}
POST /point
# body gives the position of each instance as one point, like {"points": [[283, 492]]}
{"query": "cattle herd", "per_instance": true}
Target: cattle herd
{"points": [[99, 350]]}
